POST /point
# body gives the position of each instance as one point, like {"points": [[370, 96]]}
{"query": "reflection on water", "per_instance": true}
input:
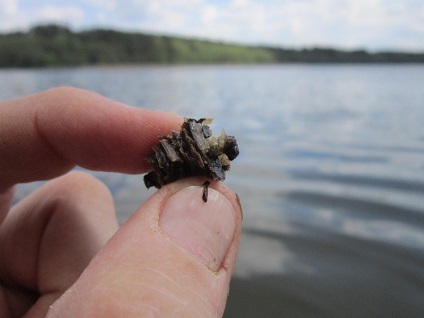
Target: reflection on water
{"points": [[331, 176]]}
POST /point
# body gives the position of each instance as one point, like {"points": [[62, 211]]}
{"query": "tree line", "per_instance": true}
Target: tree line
{"points": [[55, 45]]}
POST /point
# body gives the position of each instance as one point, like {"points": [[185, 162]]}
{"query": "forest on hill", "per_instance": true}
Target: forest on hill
{"points": [[55, 45]]}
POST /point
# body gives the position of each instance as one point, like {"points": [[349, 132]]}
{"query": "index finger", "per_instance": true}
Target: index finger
{"points": [[45, 135]]}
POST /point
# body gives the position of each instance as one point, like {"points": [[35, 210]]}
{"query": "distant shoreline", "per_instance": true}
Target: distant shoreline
{"points": [[57, 46], [211, 65]]}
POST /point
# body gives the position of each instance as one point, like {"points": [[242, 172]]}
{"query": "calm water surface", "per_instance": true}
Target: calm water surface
{"points": [[331, 176]]}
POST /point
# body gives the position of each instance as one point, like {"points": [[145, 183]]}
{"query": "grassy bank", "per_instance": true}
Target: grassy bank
{"points": [[54, 45]]}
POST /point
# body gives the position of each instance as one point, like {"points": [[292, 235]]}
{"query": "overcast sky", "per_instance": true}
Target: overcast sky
{"points": [[370, 24]]}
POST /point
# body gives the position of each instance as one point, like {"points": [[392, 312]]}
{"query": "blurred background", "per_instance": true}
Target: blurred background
{"points": [[325, 99]]}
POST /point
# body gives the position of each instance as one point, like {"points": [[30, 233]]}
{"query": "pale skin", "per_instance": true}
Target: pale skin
{"points": [[61, 250]]}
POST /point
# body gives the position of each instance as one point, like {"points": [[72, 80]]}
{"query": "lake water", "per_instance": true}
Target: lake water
{"points": [[330, 174]]}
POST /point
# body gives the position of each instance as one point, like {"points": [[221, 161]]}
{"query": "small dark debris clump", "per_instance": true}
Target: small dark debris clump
{"points": [[191, 152]]}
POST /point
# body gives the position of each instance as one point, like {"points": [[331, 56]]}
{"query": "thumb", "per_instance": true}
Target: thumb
{"points": [[173, 258]]}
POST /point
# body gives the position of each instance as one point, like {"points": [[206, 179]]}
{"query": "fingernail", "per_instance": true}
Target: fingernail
{"points": [[203, 229]]}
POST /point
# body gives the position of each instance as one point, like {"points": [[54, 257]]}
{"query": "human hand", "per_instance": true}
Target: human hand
{"points": [[61, 252]]}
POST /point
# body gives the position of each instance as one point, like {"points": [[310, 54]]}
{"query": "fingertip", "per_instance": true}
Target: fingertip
{"points": [[44, 135], [180, 265]]}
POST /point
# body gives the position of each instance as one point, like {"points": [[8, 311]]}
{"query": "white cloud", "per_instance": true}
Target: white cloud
{"points": [[8, 6], [343, 23], [105, 4], [19, 17], [208, 14], [8, 9], [61, 14]]}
